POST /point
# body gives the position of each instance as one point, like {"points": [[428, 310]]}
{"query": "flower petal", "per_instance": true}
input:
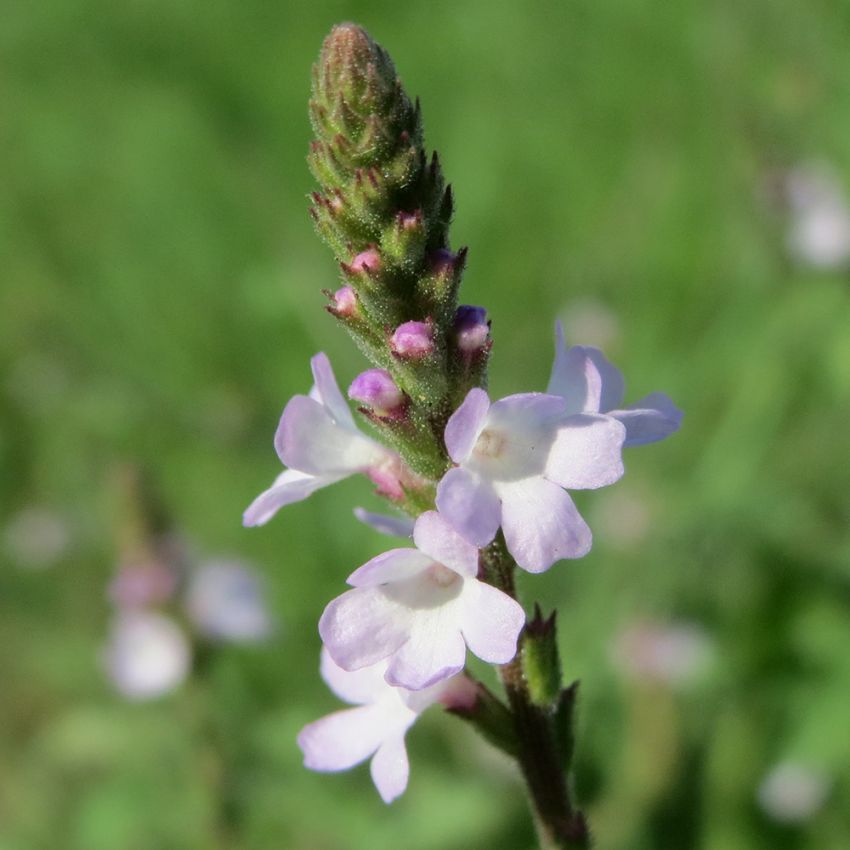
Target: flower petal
{"points": [[328, 391], [357, 686], [392, 526], [340, 740], [435, 651], [309, 440], [393, 566], [465, 424], [290, 486], [436, 537], [651, 419], [491, 622], [587, 452], [470, 504], [362, 627], [390, 768], [527, 414], [584, 377], [541, 524]]}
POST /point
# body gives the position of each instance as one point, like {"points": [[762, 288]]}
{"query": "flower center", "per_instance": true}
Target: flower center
{"points": [[443, 576], [489, 444]]}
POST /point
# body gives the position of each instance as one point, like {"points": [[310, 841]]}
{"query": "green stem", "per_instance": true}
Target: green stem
{"points": [[560, 826]]}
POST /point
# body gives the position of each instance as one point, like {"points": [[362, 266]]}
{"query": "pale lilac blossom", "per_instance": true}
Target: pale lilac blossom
{"points": [[590, 384], [793, 792], [225, 600], [147, 654], [376, 727], [319, 442], [420, 609], [514, 458]]}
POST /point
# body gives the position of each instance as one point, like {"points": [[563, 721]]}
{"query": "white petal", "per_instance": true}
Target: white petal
{"points": [[308, 439], [587, 452], [357, 686], [390, 768], [541, 524], [436, 537], [584, 377], [289, 487], [435, 651], [327, 390], [392, 526], [340, 740], [363, 626], [470, 504], [465, 424], [491, 623], [651, 419], [393, 566]]}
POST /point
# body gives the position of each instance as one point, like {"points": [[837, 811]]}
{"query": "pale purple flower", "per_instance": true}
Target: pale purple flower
{"points": [[142, 583], [793, 792], [819, 229], [376, 727], [319, 442], [392, 526], [420, 609], [589, 383], [377, 389], [515, 457], [226, 601], [147, 654], [412, 340]]}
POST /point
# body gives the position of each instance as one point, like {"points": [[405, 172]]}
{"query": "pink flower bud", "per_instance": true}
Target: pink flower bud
{"points": [[410, 221], [471, 328], [412, 340], [345, 302], [376, 389], [366, 261]]}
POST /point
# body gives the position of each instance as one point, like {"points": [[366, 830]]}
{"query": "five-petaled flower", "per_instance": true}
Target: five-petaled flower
{"points": [[319, 442], [514, 458], [420, 609], [377, 726]]}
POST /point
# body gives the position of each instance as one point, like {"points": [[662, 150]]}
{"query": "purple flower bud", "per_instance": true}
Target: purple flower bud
{"points": [[366, 261], [412, 340], [471, 328], [376, 389], [442, 261], [345, 302]]}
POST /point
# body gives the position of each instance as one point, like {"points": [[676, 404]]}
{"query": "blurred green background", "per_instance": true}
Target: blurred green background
{"points": [[616, 164]]}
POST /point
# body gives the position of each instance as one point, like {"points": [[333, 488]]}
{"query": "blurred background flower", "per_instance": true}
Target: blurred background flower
{"points": [[161, 297]]}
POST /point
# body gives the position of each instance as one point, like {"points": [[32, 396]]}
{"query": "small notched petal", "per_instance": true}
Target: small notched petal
{"points": [[392, 526], [308, 439], [362, 627], [471, 503], [390, 768], [328, 391], [340, 740], [587, 452], [466, 423], [434, 652], [289, 487], [436, 537], [541, 524], [650, 419], [492, 622], [584, 377], [395, 565], [358, 687]]}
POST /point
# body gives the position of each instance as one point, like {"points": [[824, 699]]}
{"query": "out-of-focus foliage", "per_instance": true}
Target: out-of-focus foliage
{"points": [[616, 163]]}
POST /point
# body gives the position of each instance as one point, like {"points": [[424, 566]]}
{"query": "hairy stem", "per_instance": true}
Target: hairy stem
{"points": [[540, 751]]}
